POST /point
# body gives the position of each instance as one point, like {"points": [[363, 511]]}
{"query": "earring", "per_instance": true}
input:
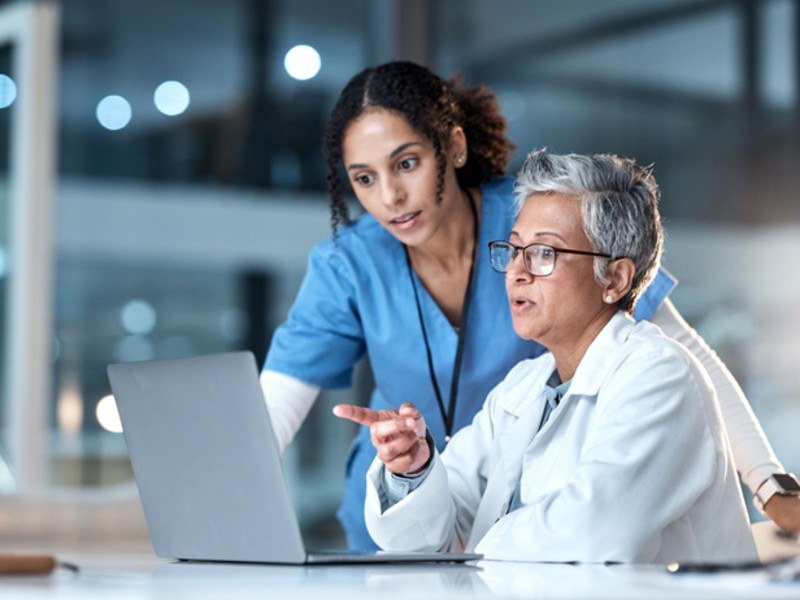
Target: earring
{"points": [[609, 299], [461, 160]]}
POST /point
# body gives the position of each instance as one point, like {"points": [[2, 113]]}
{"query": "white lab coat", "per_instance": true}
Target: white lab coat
{"points": [[633, 465]]}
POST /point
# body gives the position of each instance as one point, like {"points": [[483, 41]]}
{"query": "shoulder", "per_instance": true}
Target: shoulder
{"points": [[362, 241], [647, 337], [628, 351], [635, 367], [632, 339], [498, 190], [362, 231], [649, 352], [497, 207], [656, 375]]}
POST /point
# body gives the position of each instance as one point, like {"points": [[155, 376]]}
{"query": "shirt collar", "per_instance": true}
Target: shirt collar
{"points": [[554, 389]]}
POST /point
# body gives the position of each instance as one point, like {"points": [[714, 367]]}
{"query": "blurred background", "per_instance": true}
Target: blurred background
{"points": [[161, 184]]}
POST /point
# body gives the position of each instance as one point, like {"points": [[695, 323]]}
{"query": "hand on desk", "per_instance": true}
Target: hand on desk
{"points": [[785, 512], [398, 435]]}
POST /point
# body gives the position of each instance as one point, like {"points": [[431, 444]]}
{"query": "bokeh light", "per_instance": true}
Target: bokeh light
{"points": [[8, 91], [302, 62], [107, 414], [171, 98], [113, 112], [3, 262], [138, 317]]}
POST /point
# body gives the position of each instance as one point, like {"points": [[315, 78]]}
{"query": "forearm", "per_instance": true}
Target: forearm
{"points": [[288, 402], [785, 511], [422, 520], [393, 488], [438, 514], [753, 455]]}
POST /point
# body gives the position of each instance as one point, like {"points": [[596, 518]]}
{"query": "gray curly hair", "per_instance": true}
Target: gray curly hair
{"points": [[619, 206]]}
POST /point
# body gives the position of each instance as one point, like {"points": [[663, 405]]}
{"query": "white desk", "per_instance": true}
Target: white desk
{"points": [[143, 576]]}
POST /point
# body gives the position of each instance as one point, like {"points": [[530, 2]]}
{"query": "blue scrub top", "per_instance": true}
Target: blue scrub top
{"points": [[357, 298]]}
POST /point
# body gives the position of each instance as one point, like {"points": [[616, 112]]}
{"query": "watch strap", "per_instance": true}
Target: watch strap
{"points": [[769, 488]]}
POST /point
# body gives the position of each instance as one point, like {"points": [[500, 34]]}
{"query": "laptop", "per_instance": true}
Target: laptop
{"points": [[208, 468]]}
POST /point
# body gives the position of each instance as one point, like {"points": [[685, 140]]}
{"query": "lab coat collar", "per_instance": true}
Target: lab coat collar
{"points": [[602, 353], [592, 370], [519, 398]]}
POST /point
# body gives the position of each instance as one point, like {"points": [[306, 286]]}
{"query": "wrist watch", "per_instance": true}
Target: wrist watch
{"points": [[783, 484]]}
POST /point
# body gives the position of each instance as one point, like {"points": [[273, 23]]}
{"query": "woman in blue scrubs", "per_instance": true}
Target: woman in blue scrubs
{"points": [[410, 283]]}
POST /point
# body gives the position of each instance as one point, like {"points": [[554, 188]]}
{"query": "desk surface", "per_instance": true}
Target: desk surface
{"points": [[134, 576]]}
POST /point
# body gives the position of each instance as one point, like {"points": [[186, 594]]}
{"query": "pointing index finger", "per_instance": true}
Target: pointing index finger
{"points": [[359, 414]]}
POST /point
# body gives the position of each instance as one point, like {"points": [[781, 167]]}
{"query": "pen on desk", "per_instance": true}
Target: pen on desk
{"points": [[21, 564], [31, 564]]}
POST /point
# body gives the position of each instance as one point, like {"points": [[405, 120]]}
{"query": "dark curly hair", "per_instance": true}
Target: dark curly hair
{"points": [[431, 105]]}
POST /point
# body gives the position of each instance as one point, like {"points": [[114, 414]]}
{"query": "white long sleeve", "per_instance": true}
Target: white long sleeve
{"points": [[752, 453], [288, 401]]}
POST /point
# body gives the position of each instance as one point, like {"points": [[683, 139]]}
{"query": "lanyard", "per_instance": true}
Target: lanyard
{"points": [[449, 414]]}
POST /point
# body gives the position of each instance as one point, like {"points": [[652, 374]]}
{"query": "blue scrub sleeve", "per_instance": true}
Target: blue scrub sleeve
{"points": [[655, 293], [322, 338]]}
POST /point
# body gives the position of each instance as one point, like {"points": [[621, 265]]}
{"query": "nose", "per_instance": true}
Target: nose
{"points": [[517, 271], [391, 192]]}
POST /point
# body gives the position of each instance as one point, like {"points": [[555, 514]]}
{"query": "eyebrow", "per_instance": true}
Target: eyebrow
{"points": [[393, 153], [538, 234]]}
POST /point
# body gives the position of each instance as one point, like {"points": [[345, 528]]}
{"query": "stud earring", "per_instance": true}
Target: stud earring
{"points": [[461, 160], [609, 299]]}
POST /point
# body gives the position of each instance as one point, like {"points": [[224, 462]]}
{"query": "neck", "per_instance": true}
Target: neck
{"points": [[454, 240], [569, 355]]}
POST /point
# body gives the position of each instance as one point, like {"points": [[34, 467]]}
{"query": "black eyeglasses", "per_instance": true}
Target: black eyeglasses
{"points": [[539, 259]]}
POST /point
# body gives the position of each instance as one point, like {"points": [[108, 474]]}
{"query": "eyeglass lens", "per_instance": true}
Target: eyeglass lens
{"points": [[539, 258]]}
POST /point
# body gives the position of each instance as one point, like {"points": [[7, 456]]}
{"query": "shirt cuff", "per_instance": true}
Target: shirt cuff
{"points": [[396, 487]]}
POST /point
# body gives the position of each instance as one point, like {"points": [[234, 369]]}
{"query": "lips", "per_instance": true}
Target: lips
{"points": [[406, 221], [520, 304]]}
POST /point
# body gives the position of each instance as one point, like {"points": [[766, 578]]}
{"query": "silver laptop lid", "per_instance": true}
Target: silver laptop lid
{"points": [[205, 459]]}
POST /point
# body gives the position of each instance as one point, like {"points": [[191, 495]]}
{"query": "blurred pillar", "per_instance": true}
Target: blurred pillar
{"points": [[255, 298], [751, 34], [796, 47], [32, 30], [255, 167]]}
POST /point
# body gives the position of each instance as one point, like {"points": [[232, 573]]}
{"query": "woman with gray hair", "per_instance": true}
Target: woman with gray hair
{"points": [[603, 182], [608, 448]]}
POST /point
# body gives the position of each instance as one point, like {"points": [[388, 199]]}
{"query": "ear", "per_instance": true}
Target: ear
{"points": [[620, 274], [457, 149]]}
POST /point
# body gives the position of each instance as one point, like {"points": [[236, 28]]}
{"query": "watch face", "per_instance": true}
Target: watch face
{"points": [[787, 482]]}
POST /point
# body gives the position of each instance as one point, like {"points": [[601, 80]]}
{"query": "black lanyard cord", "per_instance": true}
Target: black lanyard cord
{"points": [[449, 415]]}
